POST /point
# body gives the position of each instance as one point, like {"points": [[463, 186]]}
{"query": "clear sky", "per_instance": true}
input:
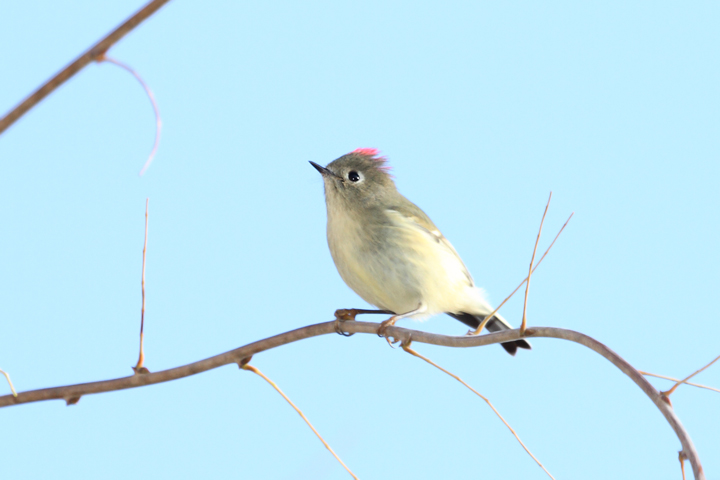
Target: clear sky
{"points": [[482, 110]]}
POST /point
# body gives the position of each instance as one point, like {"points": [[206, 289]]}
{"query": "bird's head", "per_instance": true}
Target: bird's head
{"points": [[359, 178]]}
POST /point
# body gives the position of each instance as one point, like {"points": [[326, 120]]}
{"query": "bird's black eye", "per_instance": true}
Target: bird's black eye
{"points": [[353, 176]]}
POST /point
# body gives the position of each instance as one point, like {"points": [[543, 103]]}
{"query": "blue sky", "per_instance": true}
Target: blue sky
{"points": [[482, 109]]}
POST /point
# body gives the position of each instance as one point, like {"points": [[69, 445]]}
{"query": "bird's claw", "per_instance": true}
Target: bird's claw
{"points": [[384, 326], [392, 341], [340, 331]]}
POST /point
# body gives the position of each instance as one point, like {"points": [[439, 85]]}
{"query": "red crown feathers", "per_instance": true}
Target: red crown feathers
{"points": [[374, 154]]}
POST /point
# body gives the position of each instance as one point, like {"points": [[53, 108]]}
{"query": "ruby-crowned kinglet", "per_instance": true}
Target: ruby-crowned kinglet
{"points": [[391, 254]]}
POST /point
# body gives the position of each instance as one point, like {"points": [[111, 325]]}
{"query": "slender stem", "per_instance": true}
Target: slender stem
{"points": [[274, 385], [141, 358], [530, 270], [79, 63], [149, 93], [681, 457], [681, 381], [669, 392], [487, 318], [7, 377], [399, 334], [406, 347]]}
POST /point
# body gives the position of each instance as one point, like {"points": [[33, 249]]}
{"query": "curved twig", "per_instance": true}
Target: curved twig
{"points": [[79, 63], [158, 119], [7, 377], [72, 393]]}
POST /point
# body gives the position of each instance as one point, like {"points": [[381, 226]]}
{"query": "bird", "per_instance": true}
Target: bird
{"points": [[389, 252]]}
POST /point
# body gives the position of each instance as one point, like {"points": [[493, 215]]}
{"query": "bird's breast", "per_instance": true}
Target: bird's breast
{"points": [[369, 256]]}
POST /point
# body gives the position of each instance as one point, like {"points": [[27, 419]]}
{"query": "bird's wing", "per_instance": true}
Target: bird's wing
{"points": [[413, 214]]}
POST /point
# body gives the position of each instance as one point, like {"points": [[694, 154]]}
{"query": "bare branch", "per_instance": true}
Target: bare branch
{"points": [[7, 377], [156, 109], [71, 392], [669, 392], [244, 365], [406, 347], [681, 381], [488, 317], [81, 62], [530, 269], [681, 457], [139, 368]]}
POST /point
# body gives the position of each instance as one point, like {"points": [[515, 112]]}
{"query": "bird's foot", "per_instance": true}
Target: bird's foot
{"points": [[344, 315], [391, 340], [384, 325], [349, 314]]}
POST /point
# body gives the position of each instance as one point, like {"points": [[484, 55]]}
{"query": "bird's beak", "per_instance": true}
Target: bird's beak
{"points": [[324, 171]]}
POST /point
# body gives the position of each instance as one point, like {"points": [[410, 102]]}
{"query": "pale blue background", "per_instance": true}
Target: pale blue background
{"points": [[482, 109]]}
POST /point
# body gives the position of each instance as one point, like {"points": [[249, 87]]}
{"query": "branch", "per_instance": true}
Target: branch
{"points": [[140, 368], [7, 377], [151, 96], [681, 381], [81, 62], [406, 347], [523, 326], [684, 380], [250, 368], [488, 317], [72, 393]]}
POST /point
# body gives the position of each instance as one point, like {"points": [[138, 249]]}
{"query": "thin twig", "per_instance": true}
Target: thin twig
{"points": [[669, 392], [681, 457], [530, 269], [255, 370], [681, 381], [81, 62], [139, 368], [74, 392], [158, 119], [406, 347], [7, 377], [487, 318]]}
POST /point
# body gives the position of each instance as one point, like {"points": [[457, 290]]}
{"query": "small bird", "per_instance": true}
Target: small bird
{"points": [[391, 254]]}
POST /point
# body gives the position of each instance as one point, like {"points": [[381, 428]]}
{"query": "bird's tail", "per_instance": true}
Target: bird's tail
{"points": [[496, 324]]}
